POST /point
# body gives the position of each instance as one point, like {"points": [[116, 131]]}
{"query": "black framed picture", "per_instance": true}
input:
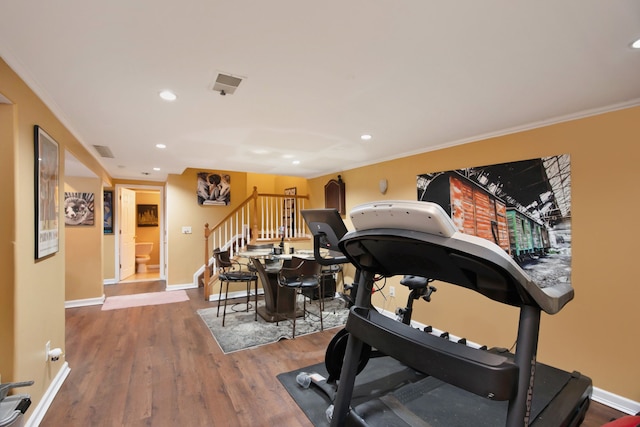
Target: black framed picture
{"points": [[108, 211], [213, 189], [79, 208], [46, 160], [147, 216]]}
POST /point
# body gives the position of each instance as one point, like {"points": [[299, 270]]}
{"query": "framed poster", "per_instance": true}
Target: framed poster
{"points": [[79, 208], [147, 216], [213, 189], [46, 179], [523, 206], [108, 211]]}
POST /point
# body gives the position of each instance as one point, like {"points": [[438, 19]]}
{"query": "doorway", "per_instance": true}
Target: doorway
{"points": [[140, 219]]}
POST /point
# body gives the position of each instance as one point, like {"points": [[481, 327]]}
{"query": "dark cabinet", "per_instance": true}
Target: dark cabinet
{"points": [[334, 195]]}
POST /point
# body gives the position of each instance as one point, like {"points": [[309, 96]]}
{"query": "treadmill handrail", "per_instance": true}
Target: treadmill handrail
{"points": [[425, 224], [486, 374]]}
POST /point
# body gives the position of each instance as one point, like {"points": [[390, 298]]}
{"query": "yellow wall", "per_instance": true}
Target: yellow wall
{"points": [[7, 239], [275, 184], [35, 289], [109, 258], [185, 251], [83, 255], [594, 332]]}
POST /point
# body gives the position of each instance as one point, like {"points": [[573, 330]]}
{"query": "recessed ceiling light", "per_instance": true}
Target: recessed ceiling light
{"points": [[296, 162], [161, 146], [156, 169], [636, 44], [287, 156], [167, 95], [365, 137]]}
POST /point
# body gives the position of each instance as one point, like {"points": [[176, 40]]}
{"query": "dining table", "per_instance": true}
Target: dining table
{"points": [[278, 302]]}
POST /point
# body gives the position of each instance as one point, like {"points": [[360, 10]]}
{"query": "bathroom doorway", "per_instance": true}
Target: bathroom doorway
{"points": [[140, 244]]}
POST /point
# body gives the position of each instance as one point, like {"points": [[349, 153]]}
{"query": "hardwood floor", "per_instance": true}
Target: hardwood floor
{"points": [[159, 366]]}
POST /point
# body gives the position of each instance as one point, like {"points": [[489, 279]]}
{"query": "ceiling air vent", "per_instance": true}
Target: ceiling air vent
{"points": [[226, 84], [104, 151]]}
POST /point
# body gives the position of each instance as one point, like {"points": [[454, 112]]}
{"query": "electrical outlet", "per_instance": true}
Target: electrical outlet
{"points": [[47, 350], [392, 291]]}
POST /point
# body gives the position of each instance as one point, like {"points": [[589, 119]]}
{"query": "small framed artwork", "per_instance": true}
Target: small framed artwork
{"points": [[46, 161], [147, 216], [108, 211], [79, 208], [214, 189]]}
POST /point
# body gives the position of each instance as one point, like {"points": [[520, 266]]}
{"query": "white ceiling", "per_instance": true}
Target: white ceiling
{"points": [[416, 74]]}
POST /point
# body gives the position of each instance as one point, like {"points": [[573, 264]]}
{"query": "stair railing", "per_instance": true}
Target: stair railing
{"points": [[259, 218]]}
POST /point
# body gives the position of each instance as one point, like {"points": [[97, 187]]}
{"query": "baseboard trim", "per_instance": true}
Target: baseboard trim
{"points": [[614, 401], [180, 287], [41, 409], [599, 395], [84, 302]]}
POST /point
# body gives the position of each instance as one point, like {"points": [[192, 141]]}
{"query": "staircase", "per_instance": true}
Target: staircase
{"points": [[261, 218]]}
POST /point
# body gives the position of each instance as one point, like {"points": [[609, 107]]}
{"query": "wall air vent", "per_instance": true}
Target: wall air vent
{"points": [[104, 151], [226, 84]]}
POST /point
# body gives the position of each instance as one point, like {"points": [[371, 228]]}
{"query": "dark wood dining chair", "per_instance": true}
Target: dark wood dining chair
{"points": [[301, 274], [231, 271]]}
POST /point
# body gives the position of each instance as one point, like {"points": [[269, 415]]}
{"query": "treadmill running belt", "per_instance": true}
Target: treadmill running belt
{"points": [[431, 402]]}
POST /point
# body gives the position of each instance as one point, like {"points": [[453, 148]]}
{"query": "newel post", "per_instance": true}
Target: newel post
{"points": [[207, 276], [254, 215]]}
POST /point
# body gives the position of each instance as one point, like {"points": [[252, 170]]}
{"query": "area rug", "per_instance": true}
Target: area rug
{"points": [[138, 300], [241, 331]]}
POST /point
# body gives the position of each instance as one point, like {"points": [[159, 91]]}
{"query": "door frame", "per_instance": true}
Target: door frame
{"points": [[162, 218]]}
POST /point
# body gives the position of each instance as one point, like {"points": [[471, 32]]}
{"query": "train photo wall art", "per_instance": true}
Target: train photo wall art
{"points": [[523, 206]]}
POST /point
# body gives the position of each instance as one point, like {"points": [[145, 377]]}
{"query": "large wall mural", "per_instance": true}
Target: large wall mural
{"points": [[524, 207]]}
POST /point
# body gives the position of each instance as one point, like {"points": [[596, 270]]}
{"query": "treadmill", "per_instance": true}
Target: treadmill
{"points": [[463, 385]]}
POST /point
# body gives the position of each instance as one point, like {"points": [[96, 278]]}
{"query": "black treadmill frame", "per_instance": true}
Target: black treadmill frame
{"points": [[391, 252]]}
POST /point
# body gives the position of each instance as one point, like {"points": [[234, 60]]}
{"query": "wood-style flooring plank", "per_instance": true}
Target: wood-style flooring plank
{"points": [[159, 366]]}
